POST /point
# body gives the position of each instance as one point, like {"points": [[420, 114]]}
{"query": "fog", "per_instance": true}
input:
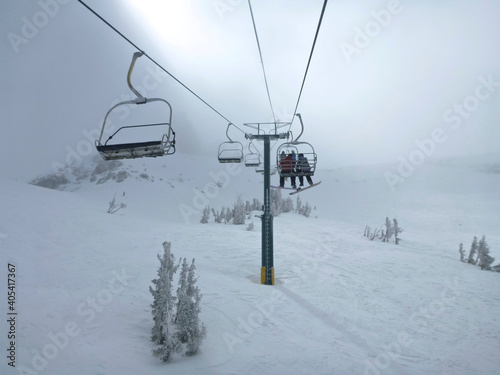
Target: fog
{"points": [[386, 78]]}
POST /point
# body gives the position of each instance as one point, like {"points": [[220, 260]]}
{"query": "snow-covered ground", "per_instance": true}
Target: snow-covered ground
{"points": [[341, 304]]}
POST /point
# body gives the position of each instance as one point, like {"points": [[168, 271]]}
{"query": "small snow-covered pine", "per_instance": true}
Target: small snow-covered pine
{"points": [[485, 259], [287, 205], [182, 315], [194, 329], [473, 251], [397, 230], [205, 215], [217, 215], [239, 212], [164, 332], [228, 216], [461, 251], [389, 230]]}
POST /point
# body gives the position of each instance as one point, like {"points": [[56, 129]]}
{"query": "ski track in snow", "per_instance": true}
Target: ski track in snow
{"points": [[341, 304]]}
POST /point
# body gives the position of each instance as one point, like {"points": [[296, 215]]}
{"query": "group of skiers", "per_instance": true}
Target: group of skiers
{"points": [[294, 167]]}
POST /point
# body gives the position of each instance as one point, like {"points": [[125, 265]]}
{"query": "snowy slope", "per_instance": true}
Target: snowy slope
{"points": [[342, 304]]}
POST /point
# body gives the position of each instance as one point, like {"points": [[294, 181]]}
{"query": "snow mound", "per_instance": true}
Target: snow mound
{"points": [[93, 170]]}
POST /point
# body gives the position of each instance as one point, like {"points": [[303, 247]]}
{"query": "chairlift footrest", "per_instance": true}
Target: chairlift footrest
{"points": [[230, 160], [296, 174]]}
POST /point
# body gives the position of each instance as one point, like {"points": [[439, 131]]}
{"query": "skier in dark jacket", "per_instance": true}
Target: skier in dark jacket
{"points": [[303, 168]]}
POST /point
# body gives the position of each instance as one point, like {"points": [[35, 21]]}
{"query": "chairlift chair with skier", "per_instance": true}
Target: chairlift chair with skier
{"points": [[295, 166]]}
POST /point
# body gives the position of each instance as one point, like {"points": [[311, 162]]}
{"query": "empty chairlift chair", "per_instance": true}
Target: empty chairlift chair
{"points": [[230, 151], [155, 148], [252, 159]]}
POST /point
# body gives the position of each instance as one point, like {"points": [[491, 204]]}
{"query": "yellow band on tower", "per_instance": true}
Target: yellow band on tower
{"points": [[263, 275]]}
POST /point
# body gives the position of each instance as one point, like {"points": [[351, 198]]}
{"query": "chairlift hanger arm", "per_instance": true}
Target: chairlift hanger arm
{"points": [[255, 147], [227, 132], [140, 98], [301, 124]]}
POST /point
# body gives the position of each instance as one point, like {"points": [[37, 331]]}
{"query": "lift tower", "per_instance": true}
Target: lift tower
{"points": [[267, 269]]}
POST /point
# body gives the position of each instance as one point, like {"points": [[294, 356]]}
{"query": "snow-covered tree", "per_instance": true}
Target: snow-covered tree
{"points": [[217, 216], [182, 303], [302, 209], [248, 207], [287, 205], [243, 210], [276, 200], [256, 205], [239, 212], [205, 216], [164, 332], [367, 231], [485, 259], [228, 215], [397, 229], [461, 251], [389, 230], [190, 330], [307, 210], [298, 204], [473, 251], [115, 206], [280, 205]]}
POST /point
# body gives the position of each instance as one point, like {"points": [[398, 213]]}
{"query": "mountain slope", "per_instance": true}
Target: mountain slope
{"points": [[342, 304]]}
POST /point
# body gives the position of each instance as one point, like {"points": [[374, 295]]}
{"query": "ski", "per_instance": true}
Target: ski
{"points": [[305, 188], [279, 187]]}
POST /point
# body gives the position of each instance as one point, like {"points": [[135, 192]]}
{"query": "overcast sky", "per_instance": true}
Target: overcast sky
{"points": [[385, 75]]}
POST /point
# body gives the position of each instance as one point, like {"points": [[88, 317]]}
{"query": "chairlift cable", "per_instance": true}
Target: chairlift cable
{"points": [[309, 62], [261, 60], [153, 61]]}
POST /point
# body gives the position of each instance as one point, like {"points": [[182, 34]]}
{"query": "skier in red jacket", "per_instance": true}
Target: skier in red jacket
{"points": [[287, 167]]}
